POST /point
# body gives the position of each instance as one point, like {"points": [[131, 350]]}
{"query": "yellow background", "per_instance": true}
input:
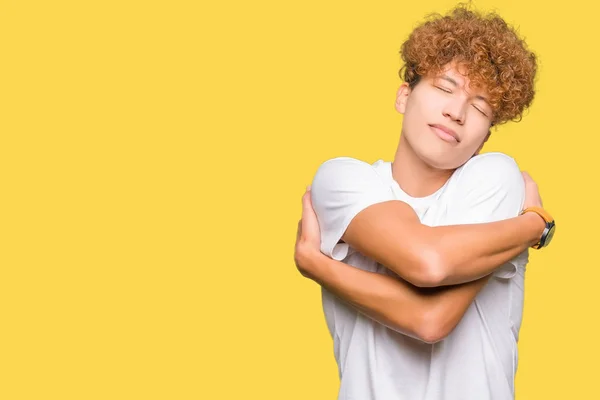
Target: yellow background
{"points": [[152, 159]]}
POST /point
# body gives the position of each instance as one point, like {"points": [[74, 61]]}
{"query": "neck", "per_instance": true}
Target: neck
{"points": [[415, 177]]}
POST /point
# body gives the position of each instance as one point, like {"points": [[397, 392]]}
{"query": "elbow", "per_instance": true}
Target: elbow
{"points": [[434, 328], [432, 335], [432, 270]]}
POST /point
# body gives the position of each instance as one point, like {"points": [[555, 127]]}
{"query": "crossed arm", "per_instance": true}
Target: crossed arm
{"points": [[442, 268], [425, 256], [426, 313]]}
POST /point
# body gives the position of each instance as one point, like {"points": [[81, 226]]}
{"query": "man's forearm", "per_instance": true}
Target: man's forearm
{"points": [[470, 252], [425, 314], [392, 234]]}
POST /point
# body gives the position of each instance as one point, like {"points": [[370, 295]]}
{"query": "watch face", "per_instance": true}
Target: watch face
{"points": [[550, 235]]}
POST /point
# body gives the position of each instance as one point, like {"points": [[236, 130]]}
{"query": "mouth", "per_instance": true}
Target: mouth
{"points": [[445, 133]]}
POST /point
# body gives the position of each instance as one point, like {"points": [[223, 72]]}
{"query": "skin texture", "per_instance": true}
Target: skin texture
{"points": [[448, 101], [423, 162]]}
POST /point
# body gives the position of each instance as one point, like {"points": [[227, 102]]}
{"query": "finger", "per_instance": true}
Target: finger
{"points": [[528, 179], [306, 204], [299, 230], [309, 216], [305, 197], [305, 208]]}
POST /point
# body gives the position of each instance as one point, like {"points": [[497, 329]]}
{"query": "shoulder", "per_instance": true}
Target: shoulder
{"points": [[343, 171], [345, 181], [343, 164], [491, 169], [490, 182]]}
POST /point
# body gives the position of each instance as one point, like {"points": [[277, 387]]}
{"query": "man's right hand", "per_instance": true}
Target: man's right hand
{"points": [[308, 238]]}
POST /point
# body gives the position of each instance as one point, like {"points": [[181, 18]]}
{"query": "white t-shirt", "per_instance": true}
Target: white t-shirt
{"points": [[478, 360]]}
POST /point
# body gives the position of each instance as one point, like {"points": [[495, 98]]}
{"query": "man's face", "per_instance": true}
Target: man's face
{"points": [[445, 122]]}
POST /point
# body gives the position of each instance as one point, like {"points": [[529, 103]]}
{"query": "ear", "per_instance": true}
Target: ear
{"points": [[484, 140], [402, 97]]}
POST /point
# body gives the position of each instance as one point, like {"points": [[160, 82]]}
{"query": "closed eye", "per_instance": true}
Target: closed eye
{"points": [[480, 110], [443, 89]]}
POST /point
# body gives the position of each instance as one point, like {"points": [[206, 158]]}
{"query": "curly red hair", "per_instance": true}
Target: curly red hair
{"points": [[494, 57]]}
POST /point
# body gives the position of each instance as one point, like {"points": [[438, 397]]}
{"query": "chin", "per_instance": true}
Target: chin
{"points": [[443, 160], [437, 153], [438, 164], [438, 158]]}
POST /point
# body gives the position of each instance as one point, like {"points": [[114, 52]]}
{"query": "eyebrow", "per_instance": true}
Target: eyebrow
{"points": [[447, 78], [483, 98], [453, 81]]}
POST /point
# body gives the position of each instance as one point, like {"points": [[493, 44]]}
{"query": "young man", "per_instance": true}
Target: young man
{"points": [[428, 300]]}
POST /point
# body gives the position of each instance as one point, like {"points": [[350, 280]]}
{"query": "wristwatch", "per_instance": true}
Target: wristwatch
{"points": [[550, 226]]}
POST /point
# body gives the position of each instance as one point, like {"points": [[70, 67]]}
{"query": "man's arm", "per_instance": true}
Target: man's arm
{"points": [[389, 231], [427, 314], [392, 234]]}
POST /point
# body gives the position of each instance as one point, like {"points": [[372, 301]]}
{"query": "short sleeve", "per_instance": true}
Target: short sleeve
{"points": [[341, 188], [488, 188]]}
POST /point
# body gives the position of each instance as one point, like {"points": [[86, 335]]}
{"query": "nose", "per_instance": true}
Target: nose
{"points": [[455, 110]]}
